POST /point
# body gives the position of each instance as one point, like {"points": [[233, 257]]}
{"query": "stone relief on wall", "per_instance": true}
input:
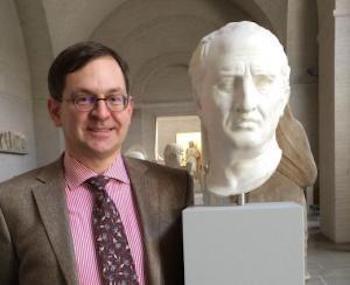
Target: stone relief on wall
{"points": [[12, 142]]}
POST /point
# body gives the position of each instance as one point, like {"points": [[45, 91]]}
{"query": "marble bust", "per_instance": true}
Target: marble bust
{"points": [[136, 152], [172, 155], [240, 80]]}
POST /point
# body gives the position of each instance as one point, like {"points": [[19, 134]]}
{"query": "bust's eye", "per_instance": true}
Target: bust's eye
{"points": [[263, 82]]}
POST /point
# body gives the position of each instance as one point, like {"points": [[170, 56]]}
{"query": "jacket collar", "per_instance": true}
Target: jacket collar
{"points": [[146, 194], [50, 200]]}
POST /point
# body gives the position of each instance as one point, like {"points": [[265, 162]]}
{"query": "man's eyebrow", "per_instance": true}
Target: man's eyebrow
{"points": [[81, 91], [116, 90], [84, 91]]}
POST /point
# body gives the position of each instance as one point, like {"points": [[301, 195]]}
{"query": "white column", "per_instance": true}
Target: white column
{"points": [[342, 121]]}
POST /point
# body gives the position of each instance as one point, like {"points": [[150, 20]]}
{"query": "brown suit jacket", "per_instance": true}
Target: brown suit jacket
{"points": [[35, 241]]}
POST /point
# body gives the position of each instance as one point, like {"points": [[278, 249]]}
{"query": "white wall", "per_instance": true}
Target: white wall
{"points": [[142, 131], [15, 96]]}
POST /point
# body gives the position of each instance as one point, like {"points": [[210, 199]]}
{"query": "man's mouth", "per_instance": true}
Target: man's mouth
{"points": [[100, 130]]}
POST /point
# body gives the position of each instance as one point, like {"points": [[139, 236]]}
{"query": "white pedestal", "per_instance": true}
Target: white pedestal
{"points": [[255, 244]]}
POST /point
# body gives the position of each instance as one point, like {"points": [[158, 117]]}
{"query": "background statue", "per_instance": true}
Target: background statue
{"points": [[172, 155], [193, 160], [136, 152]]}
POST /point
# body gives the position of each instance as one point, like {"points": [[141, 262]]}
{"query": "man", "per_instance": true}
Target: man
{"points": [[93, 216]]}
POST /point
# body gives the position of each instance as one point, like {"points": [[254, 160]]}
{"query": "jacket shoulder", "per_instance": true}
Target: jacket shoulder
{"points": [[24, 182]]}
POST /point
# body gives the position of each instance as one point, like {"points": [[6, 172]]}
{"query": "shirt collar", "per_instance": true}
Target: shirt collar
{"points": [[77, 173]]}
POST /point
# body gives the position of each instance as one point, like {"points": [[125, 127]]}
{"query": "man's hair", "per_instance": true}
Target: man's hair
{"points": [[199, 61], [76, 57]]}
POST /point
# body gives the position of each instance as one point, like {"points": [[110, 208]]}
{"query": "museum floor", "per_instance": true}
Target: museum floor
{"points": [[328, 263]]}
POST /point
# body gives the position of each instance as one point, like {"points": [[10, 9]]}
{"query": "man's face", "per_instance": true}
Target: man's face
{"points": [[242, 95], [99, 133]]}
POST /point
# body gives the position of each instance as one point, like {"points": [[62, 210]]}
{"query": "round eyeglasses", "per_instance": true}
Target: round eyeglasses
{"points": [[85, 103]]}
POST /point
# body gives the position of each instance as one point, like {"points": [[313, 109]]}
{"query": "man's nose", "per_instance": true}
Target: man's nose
{"points": [[247, 97], [101, 110]]}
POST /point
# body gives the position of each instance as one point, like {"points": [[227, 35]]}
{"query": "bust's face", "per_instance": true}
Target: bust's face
{"points": [[242, 95]]}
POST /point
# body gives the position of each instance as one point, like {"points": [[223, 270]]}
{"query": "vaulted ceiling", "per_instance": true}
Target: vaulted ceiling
{"points": [[156, 37]]}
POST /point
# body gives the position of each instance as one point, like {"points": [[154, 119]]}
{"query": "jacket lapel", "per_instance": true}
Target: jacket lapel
{"points": [[146, 194], [50, 200]]}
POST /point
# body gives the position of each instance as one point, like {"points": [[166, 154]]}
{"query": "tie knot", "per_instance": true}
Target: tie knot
{"points": [[98, 182]]}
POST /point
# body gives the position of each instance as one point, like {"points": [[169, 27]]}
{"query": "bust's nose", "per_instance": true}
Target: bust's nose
{"points": [[246, 96]]}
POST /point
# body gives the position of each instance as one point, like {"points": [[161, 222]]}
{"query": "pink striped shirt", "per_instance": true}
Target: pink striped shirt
{"points": [[80, 202]]}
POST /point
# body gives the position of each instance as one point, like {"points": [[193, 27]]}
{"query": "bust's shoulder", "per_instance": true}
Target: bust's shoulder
{"points": [[278, 188]]}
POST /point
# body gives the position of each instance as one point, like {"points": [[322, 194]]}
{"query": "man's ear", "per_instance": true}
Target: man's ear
{"points": [[54, 108]]}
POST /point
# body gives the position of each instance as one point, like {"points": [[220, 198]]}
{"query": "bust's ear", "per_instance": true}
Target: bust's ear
{"points": [[284, 100]]}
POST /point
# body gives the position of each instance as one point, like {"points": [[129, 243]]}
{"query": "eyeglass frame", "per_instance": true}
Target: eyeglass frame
{"points": [[126, 99]]}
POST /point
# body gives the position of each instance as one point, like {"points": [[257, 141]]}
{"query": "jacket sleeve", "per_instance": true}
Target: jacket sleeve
{"points": [[7, 254]]}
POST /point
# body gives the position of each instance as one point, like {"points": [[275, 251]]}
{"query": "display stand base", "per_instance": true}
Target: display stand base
{"points": [[255, 244]]}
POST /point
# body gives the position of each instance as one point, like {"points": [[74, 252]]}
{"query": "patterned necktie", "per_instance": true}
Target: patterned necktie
{"points": [[113, 252]]}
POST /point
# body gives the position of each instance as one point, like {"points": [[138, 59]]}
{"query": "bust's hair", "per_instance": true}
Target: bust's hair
{"points": [[199, 61]]}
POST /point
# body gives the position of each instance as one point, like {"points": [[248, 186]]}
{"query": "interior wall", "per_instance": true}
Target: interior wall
{"points": [[302, 47], [39, 51], [168, 127], [303, 58], [133, 138], [16, 113]]}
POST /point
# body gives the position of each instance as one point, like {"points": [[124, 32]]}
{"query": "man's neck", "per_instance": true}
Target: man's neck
{"points": [[96, 164], [242, 175]]}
